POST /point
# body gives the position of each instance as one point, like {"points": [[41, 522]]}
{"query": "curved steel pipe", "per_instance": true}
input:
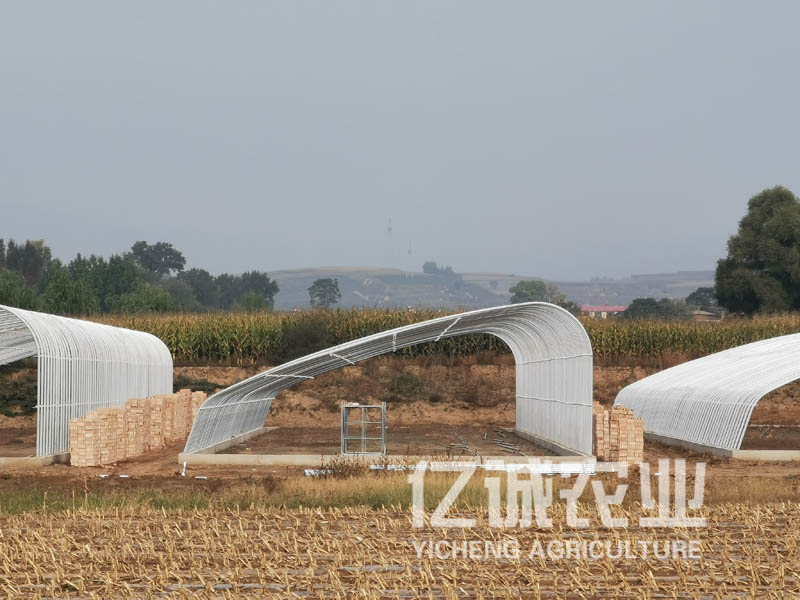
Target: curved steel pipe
{"points": [[709, 401], [553, 365], [82, 366]]}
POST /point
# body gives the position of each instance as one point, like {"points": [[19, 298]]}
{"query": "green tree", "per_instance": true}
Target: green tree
{"points": [[117, 277], [762, 270], [650, 308], [324, 293], [430, 267], [146, 298], [69, 295], [31, 260], [14, 292], [259, 283], [181, 292], [159, 259], [203, 286], [528, 291], [252, 302], [535, 290], [228, 286], [232, 288], [2, 254], [703, 298], [109, 279]]}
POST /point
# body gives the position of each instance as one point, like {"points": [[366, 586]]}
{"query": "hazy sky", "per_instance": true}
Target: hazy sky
{"points": [[560, 139]]}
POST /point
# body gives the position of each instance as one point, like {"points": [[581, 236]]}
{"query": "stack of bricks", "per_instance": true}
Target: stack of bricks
{"points": [[197, 400], [111, 434], [137, 416], [618, 436], [185, 411], [167, 417], [84, 440], [179, 415], [601, 431], [156, 423], [112, 438]]}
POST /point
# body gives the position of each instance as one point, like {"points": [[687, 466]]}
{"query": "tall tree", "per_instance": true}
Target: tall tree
{"points": [[2, 254], [14, 292], [703, 298], [532, 290], [119, 277], [430, 267], [232, 288], [203, 285], [159, 259], [109, 279], [259, 283], [31, 260], [535, 290], [70, 295], [146, 298], [181, 293], [762, 270], [650, 308], [228, 286], [252, 302], [324, 293]]}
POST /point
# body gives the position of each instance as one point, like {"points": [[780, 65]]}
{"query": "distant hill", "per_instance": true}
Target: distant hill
{"points": [[376, 286]]}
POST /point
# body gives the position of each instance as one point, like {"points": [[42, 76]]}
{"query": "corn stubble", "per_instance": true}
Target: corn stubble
{"points": [[140, 552]]}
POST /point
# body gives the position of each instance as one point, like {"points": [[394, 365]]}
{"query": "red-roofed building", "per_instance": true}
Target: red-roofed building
{"points": [[600, 311]]}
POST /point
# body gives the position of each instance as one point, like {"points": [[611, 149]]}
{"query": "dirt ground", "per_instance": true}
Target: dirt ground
{"points": [[427, 439], [17, 436], [437, 405]]}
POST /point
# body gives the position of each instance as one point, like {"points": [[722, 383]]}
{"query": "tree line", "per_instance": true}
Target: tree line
{"points": [[759, 275], [147, 278]]}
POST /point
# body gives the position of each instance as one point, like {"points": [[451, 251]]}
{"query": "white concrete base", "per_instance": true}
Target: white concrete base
{"points": [[776, 455], [210, 456], [34, 461], [670, 441], [547, 444], [233, 441], [317, 460]]}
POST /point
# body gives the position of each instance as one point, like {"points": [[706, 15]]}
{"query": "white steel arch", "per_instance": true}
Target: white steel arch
{"points": [[553, 364], [709, 401], [82, 366]]}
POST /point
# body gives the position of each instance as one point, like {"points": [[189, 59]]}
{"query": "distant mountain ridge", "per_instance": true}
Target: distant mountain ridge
{"points": [[385, 287]]}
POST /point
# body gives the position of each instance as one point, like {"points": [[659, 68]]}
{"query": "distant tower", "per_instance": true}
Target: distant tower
{"points": [[389, 226], [409, 248]]}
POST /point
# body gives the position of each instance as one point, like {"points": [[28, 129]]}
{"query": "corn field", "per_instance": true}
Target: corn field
{"points": [[270, 338], [142, 552]]}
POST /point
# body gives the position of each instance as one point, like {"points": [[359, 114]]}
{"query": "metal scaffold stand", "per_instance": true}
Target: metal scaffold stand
{"points": [[364, 429]]}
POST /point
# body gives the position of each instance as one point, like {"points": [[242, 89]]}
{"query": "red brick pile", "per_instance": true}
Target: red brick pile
{"points": [[109, 435], [617, 434]]}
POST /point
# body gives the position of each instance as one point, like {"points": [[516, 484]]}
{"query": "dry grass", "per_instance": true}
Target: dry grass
{"points": [[350, 535], [140, 552]]}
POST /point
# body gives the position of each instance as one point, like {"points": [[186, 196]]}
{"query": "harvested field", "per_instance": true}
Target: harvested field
{"points": [[142, 552]]}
